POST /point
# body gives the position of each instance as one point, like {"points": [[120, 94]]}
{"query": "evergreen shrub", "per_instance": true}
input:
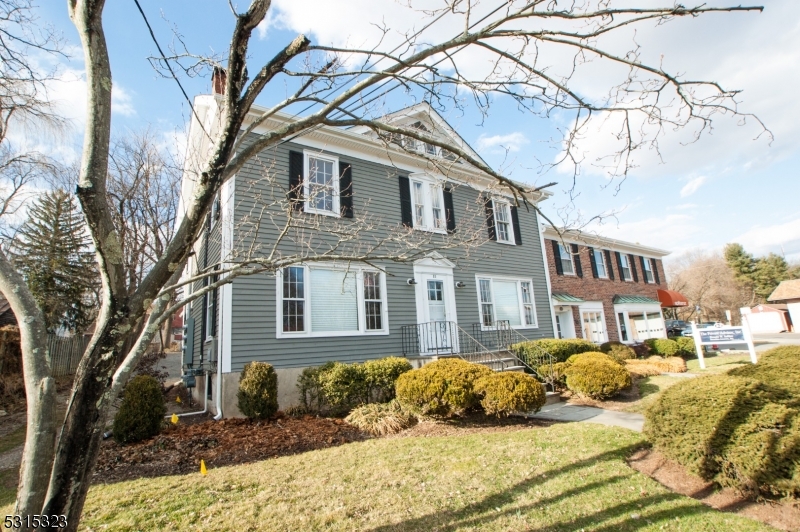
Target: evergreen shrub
{"points": [[686, 346], [505, 393], [618, 351], [443, 388], [142, 411], [381, 376], [258, 391], [596, 375], [779, 367], [344, 386], [737, 431], [559, 349], [662, 346]]}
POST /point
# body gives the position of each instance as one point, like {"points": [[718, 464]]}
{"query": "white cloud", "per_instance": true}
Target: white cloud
{"points": [[675, 233], [121, 101], [692, 186], [682, 207], [782, 238], [500, 143]]}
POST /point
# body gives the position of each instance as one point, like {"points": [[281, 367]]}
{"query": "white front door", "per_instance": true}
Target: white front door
{"points": [[436, 309]]}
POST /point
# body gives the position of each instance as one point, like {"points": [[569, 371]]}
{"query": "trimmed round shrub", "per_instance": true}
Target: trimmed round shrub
{"points": [[618, 351], [662, 346], [380, 419], [142, 411], [381, 376], [596, 375], [258, 391], [503, 394], [441, 388], [560, 349], [778, 367], [343, 386], [686, 346], [594, 355], [734, 430]]}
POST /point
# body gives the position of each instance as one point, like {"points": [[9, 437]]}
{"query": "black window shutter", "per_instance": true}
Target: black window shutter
{"points": [[632, 262], [654, 264], [405, 201], [449, 211], [619, 266], [487, 203], [214, 297], [608, 265], [296, 180], [593, 262], [576, 259], [557, 257], [515, 223], [345, 190], [644, 275]]}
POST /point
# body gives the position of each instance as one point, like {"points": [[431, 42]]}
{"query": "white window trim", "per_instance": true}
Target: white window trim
{"points": [[208, 315], [520, 304], [427, 182], [649, 262], [627, 258], [568, 248], [362, 318], [511, 238], [603, 260], [306, 203]]}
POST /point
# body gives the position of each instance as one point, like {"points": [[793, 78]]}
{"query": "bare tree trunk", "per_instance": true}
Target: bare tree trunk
{"points": [[39, 388]]}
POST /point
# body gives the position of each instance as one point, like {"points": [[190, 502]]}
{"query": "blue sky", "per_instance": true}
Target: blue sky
{"points": [[726, 187]]}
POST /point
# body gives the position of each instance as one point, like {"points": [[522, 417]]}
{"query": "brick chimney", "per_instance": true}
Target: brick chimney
{"points": [[218, 78]]}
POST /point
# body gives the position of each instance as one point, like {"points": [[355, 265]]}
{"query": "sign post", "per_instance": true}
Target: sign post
{"points": [[719, 334]]}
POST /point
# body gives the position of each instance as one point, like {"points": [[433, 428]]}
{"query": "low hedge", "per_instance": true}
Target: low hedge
{"points": [[662, 346], [596, 375], [141, 414], [503, 394], [559, 349], [443, 388], [336, 387], [656, 365], [258, 391], [737, 431], [618, 351]]}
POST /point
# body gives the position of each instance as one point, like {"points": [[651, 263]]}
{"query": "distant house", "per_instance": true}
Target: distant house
{"points": [[788, 293], [605, 289], [768, 319]]}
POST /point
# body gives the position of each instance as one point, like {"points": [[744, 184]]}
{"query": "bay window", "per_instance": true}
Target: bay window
{"points": [[322, 300], [504, 299]]}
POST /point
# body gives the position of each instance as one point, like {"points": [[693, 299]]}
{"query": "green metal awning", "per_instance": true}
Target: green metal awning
{"points": [[566, 298], [635, 299]]}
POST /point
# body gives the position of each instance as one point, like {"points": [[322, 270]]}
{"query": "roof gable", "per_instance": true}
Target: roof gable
{"points": [[786, 290]]}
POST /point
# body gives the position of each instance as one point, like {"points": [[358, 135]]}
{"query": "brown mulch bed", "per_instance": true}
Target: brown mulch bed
{"points": [[179, 449], [782, 514]]}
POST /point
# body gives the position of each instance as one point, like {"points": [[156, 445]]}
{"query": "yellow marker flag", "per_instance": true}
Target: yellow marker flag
{"points": [[203, 470], [177, 398], [174, 419]]}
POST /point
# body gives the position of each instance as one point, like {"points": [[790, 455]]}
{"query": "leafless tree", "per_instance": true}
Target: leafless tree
{"points": [[707, 281], [344, 88]]}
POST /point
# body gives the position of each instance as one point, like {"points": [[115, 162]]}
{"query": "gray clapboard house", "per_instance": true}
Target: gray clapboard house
{"points": [[461, 300]]}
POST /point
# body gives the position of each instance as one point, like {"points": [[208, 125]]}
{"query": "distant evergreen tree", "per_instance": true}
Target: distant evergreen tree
{"points": [[740, 262], [761, 275], [53, 252]]}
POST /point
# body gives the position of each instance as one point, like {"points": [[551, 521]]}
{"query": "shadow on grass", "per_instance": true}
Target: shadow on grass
{"points": [[480, 513]]}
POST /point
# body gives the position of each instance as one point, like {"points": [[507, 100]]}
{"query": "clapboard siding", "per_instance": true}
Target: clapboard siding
{"points": [[208, 254], [375, 191]]}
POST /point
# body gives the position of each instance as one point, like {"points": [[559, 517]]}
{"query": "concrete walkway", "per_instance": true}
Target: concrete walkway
{"points": [[590, 414]]}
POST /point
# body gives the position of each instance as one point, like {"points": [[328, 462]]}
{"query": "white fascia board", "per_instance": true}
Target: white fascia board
{"points": [[593, 240]]}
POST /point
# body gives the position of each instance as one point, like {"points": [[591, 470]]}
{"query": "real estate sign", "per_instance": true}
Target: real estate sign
{"points": [[721, 334]]}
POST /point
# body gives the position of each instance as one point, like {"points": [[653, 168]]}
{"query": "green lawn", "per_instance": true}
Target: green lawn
{"points": [[718, 363], [649, 390], [566, 477]]}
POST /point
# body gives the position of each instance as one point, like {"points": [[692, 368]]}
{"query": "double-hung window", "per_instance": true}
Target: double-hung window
{"points": [[648, 270], [502, 222], [504, 299], [626, 267], [321, 184], [566, 259], [600, 262], [428, 205], [323, 300]]}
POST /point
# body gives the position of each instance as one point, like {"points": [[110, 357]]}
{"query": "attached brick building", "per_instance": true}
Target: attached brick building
{"points": [[605, 289]]}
